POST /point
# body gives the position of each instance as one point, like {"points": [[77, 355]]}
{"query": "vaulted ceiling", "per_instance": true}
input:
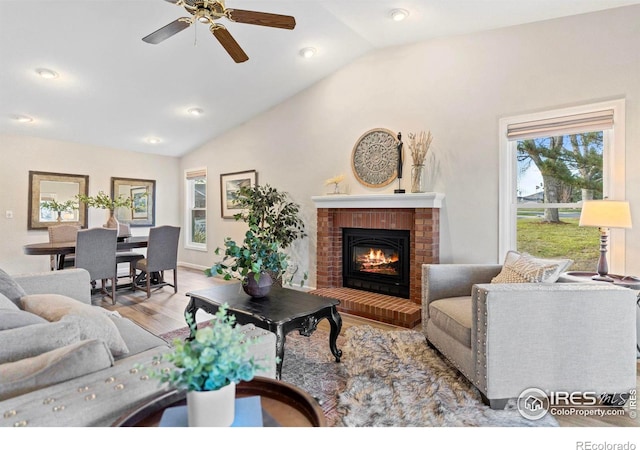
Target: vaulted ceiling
{"points": [[114, 90]]}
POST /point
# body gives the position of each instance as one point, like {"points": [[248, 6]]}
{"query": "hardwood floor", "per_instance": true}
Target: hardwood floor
{"points": [[164, 312]]}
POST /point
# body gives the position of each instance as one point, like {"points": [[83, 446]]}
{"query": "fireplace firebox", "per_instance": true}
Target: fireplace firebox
{"points": [[376, 260]]}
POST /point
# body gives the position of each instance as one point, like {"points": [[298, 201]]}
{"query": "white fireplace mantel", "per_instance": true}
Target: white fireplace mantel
{"points": [[422, 200]]}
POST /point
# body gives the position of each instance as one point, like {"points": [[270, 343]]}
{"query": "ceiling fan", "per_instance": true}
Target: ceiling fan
{"points": [[207, 12]]}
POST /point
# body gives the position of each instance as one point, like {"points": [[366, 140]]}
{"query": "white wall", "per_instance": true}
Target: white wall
{"points": [[20, 154], [458, 88]]}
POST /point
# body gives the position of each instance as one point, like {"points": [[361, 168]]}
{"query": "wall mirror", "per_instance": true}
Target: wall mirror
{"points": [[143, 195], [48, 188]]}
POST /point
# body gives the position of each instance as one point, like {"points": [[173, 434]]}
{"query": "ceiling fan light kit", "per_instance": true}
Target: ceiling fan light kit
{"points": [[208, 11]]}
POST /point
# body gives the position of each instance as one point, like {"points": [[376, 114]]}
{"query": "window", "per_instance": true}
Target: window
{"points": [[549, 163], [196, 214]]}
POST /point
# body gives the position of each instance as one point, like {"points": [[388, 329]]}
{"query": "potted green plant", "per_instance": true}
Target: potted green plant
{"points": [[275, 217], [255, 262], [208, 368], [274, 224], [104, 201], [60, 207]]}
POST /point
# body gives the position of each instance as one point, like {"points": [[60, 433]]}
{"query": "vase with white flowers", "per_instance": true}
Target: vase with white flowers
{"points": [[419, 147], [208, 367]]}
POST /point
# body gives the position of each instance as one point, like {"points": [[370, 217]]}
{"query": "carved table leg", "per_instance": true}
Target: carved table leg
{"points": [[280, 339], [336, 325], [190, 311]]}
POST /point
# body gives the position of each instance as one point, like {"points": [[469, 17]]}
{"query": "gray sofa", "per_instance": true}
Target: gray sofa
{"points": [[506, 338], [52, 373]]}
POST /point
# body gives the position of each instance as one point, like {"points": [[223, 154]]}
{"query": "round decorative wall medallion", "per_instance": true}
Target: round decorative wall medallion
{"points": [[375, 158]]}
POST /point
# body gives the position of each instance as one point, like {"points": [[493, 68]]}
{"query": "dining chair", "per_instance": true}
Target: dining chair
{"points": [[162, 254], [62, 233], [96, 253], [128, 257]]}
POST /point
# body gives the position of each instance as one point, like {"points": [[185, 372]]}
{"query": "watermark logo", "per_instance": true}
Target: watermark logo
{"points": [[533, 404]]}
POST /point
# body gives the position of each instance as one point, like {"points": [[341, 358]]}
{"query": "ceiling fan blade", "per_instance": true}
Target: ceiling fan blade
{"points": [[229, 43], [261, 18], [168, 30]]}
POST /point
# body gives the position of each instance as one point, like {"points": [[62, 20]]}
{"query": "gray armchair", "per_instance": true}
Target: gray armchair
{"points": [[506, 338]]}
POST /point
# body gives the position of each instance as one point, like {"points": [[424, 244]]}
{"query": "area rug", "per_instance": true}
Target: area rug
{"points": [[387, 379]]}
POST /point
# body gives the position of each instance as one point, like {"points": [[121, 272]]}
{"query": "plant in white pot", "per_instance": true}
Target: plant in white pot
{"points": [[208, 368]]}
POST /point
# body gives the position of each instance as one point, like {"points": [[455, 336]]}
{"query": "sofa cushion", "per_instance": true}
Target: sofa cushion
{"points": [[9, 288], [453, 315], [524, 268], [53, 367], [93, 321], [10, 319], [137, 338], [93, 400], [32, 340], [5, 303]]}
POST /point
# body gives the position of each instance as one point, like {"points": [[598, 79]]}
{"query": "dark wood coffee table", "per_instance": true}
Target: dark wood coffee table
{"points": [[286, 404], [281, 312]]}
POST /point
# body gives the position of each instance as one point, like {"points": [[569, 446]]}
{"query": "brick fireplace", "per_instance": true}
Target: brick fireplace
{"points": [[417, 213]]}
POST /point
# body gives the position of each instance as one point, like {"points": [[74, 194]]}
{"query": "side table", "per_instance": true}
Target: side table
{"points": [[287, 404], [628, 281]]}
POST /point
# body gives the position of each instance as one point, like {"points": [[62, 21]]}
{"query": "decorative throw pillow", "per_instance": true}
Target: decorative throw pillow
{"points": [[562, 265], [33, 340], [53, 367], [94, 324], [9, 288], [524, 268], [10, 319]]}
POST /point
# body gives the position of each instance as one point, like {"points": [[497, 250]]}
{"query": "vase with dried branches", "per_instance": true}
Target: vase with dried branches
{"points": [[419, 147]]}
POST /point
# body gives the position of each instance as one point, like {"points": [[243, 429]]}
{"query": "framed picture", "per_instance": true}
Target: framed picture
{"points": [[143, 201], [230, 184], [55, 187], [139, 203]]}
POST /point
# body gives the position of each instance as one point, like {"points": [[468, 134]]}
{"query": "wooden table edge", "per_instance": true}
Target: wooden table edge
{"points": [[260, 386]]}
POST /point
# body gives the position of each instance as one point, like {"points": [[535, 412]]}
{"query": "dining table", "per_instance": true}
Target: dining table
{"points": [[60, 249]]}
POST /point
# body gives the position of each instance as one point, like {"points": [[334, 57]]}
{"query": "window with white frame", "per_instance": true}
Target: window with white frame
{"points": [[549, 163], [196, 211]]}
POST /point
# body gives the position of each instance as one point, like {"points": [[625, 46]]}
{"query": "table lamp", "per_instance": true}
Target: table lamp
{"points": [[605, 214]]}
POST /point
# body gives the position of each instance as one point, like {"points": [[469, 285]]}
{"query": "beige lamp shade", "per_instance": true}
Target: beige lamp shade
{"points": [[605, 214]]}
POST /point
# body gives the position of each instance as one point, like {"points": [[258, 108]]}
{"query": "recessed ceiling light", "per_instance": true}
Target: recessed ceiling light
{"points": [[154, 140], [22, 118], [47, 73], [399, 14], [308, 52], [195, 111]]}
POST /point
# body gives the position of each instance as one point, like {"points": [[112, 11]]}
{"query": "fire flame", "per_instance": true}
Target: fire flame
{"points": [[377, 257]]}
